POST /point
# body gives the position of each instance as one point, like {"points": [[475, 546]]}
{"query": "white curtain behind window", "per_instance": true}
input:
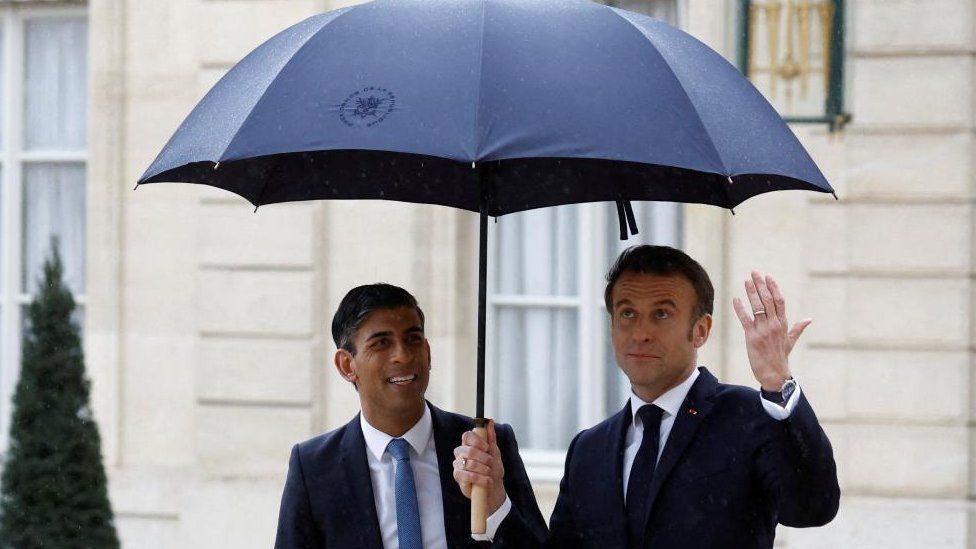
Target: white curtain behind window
{"points": [[535, 342], [3, 94], [54, 204], [55, 84], [55, 97], [3, 146], [3, 302]]}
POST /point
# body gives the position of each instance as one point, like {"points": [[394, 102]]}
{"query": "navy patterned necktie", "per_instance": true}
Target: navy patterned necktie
{"points": [[641, 474], [405, 492]]}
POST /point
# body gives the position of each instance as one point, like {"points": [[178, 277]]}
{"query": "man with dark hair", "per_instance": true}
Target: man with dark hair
{"points": [[689, 462], [383, 481], [662, 261]]}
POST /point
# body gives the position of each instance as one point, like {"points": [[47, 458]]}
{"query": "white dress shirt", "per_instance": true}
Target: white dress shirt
{"points": [[423, 461], [670, 402], [426, 476]]}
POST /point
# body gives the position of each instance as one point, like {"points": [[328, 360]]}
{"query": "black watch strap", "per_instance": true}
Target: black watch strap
{"points": [[775, 397]]}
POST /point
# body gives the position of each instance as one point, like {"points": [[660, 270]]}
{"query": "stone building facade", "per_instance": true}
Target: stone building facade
{"points": [[206, 324]]}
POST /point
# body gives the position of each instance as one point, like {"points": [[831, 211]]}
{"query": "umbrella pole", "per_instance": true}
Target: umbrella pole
{"points": [[482, 304], [479, 494]]}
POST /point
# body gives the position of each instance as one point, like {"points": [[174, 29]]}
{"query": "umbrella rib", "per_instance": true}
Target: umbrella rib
{"points": [[728, 197], [271, 82], [264, 186], [481, 77], [681, 86]]}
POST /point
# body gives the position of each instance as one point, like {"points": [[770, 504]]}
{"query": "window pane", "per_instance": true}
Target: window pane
{"points": [[789, 54], [3, 96], [3, 235], [5, 370], [55, 84], [536, 348], [54, 204], [536, 374], [537, 253]]}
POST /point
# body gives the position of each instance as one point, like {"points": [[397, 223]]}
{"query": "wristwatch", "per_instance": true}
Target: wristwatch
{"points": [[782, 396]]}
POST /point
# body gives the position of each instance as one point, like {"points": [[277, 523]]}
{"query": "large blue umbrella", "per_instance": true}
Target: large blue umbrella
{"points": [[493, 106]]}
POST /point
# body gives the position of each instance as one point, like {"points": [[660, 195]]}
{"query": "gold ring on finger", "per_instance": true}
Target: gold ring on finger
{"points": [[759, 312]]}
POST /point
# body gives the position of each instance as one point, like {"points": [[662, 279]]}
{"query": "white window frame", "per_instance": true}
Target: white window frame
{"points": [[592, 327], [13, 159]]}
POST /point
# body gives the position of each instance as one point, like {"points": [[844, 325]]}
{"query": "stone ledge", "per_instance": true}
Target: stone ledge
{"points": [[884, 52], [906, 274], [894, 200]]}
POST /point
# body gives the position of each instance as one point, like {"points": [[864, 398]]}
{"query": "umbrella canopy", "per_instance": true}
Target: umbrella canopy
{"points": [[561, 101], [493, 106]]}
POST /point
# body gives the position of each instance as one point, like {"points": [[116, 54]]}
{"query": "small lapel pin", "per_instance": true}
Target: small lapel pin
{"points": [[693, 411]]}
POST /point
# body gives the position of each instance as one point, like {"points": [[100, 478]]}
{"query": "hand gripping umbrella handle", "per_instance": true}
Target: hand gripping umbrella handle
{"points": [[479, 494]]}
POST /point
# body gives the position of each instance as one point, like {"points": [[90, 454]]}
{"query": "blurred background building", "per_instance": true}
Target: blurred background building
{"points": [[206, 325]]}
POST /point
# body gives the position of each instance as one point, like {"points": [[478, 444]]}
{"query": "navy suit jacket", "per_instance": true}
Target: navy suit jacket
{"points": [[728, 474], [328, 495]]}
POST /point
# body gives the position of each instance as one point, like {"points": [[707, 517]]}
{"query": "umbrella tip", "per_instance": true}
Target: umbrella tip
{"points": [[729, 177], [732, 210], [136, 187], [217, 165], [835, 196]]}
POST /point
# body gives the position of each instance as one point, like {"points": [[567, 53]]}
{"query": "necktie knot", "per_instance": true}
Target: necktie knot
{"points": [[399, 448], [650, 416]]}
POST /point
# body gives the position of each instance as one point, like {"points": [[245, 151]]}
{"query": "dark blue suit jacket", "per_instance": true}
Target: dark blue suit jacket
{"points": [[728, 474], [328, 495]]}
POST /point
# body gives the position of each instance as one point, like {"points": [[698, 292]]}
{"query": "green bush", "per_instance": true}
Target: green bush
{"points": [[53, 491]]}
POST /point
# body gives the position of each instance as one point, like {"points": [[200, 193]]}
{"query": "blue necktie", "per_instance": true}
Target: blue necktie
{"points": [[405, 492], [641, 474]]}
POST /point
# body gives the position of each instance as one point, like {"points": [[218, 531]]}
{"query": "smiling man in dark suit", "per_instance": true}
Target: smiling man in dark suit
{"points": [[689, 462], [383, 481]]}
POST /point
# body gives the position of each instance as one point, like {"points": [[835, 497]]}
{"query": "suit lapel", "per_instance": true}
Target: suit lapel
{"points": [[616, 514], [457, 508], [355, 483], [692, 413]]}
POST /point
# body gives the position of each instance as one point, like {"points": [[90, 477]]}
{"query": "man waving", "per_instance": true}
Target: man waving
{"points": [[689, 462]]}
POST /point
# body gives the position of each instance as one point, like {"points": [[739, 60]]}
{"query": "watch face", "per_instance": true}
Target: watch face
{"points": [[788, 389]]}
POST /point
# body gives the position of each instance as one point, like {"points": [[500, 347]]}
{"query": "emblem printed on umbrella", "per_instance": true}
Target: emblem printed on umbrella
{"points": [[367, 107]]}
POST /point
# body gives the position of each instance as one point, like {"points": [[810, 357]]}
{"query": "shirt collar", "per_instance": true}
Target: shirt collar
{"points": [[670, 401], [418, 436]]}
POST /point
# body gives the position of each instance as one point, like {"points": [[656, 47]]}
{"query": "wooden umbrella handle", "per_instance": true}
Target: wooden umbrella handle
{"points": [[479, 494]]}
